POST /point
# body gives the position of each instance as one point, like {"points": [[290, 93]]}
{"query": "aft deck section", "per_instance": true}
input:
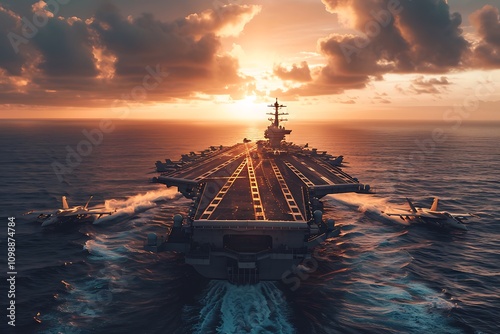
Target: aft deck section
{"points": [[253, 191], [237, 201]]}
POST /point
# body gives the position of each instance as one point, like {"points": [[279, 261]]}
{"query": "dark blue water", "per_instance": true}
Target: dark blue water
{"points": [[379, 276]]}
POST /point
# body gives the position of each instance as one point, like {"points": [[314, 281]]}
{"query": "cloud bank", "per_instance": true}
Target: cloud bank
{"points": [[47, 59], [399, 36]]}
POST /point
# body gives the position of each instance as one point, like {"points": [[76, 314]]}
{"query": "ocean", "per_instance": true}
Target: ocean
{"points": [[380, 275]]}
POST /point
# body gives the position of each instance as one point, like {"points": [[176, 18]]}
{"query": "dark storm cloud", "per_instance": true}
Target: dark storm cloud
{"points": [[66, 49], [9, 59], [409, 35], [95, 61], [434, 35], [395, 36], [296, 73], [146, 41], [487, 23]]}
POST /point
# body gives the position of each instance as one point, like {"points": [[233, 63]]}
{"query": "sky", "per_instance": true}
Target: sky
{"points": [[226, 60]]}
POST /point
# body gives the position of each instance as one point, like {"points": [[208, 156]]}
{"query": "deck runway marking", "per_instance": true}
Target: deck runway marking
{"points": [[220, 195], [219, 167], [290, 201], [301, 176], [327, 180], [335, 171], [204, 162], [254, 188]]}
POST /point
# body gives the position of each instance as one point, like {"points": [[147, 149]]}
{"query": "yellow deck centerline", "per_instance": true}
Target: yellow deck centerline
{"points": [[254, 188]]}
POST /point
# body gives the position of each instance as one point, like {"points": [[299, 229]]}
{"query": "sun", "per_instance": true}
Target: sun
{"points": [[247, 109]]}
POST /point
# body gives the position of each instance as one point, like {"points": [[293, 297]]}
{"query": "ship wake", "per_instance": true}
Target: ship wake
{"points": [[228, 308]]}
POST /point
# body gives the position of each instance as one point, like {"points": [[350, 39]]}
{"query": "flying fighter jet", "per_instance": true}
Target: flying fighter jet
{"points": [[435, 217], [68, 215]]}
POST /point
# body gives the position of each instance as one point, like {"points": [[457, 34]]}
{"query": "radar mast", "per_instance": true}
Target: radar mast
{"points": [[276, 120], [276, 132]]}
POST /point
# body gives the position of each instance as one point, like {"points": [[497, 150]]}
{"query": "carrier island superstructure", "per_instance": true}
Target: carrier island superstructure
{"points": [[256, 208]]}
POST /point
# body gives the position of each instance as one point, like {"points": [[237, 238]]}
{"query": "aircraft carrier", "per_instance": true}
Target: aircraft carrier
{"points": [[256, 211]]}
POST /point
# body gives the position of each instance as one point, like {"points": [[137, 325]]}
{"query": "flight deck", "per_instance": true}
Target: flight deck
{"points": [[248, 182], [256, 207]]}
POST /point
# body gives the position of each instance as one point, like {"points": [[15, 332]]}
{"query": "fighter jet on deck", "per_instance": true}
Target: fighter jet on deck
{"points": [[68, 215]]}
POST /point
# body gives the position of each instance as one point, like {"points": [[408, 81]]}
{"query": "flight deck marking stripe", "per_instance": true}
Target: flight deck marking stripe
{"points": [[327, 180], [299, 174], [219, 167], [201, 163], [336, 171], [254, 188], [204, 162], [292, 203], [220, 195], [324, 178]]}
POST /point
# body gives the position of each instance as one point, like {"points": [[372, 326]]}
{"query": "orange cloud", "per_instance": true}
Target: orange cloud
{"points": [[92, 62], [400, 36], [296, 73], [487, 23]]}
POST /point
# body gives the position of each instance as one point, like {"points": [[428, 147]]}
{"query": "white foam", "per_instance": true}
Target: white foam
{"points": [[259, 308], [372, 206], [139, 203], [100, 250]]}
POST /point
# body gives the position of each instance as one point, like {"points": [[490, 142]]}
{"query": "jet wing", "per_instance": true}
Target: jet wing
{"points": [[403, 214], [34, 212], [73, 213], [432, 215], [101, 212], [39, 216]]}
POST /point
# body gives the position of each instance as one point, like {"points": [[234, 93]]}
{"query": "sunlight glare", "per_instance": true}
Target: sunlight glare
{"points": [[247, 109]]}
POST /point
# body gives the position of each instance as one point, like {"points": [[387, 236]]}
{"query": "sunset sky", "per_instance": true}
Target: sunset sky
{"points": [[326, 59]]}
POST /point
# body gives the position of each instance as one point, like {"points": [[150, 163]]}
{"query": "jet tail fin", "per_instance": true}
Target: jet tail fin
{"points": [[87, 204], [434, 206], [64, 202], [413, 209]]}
